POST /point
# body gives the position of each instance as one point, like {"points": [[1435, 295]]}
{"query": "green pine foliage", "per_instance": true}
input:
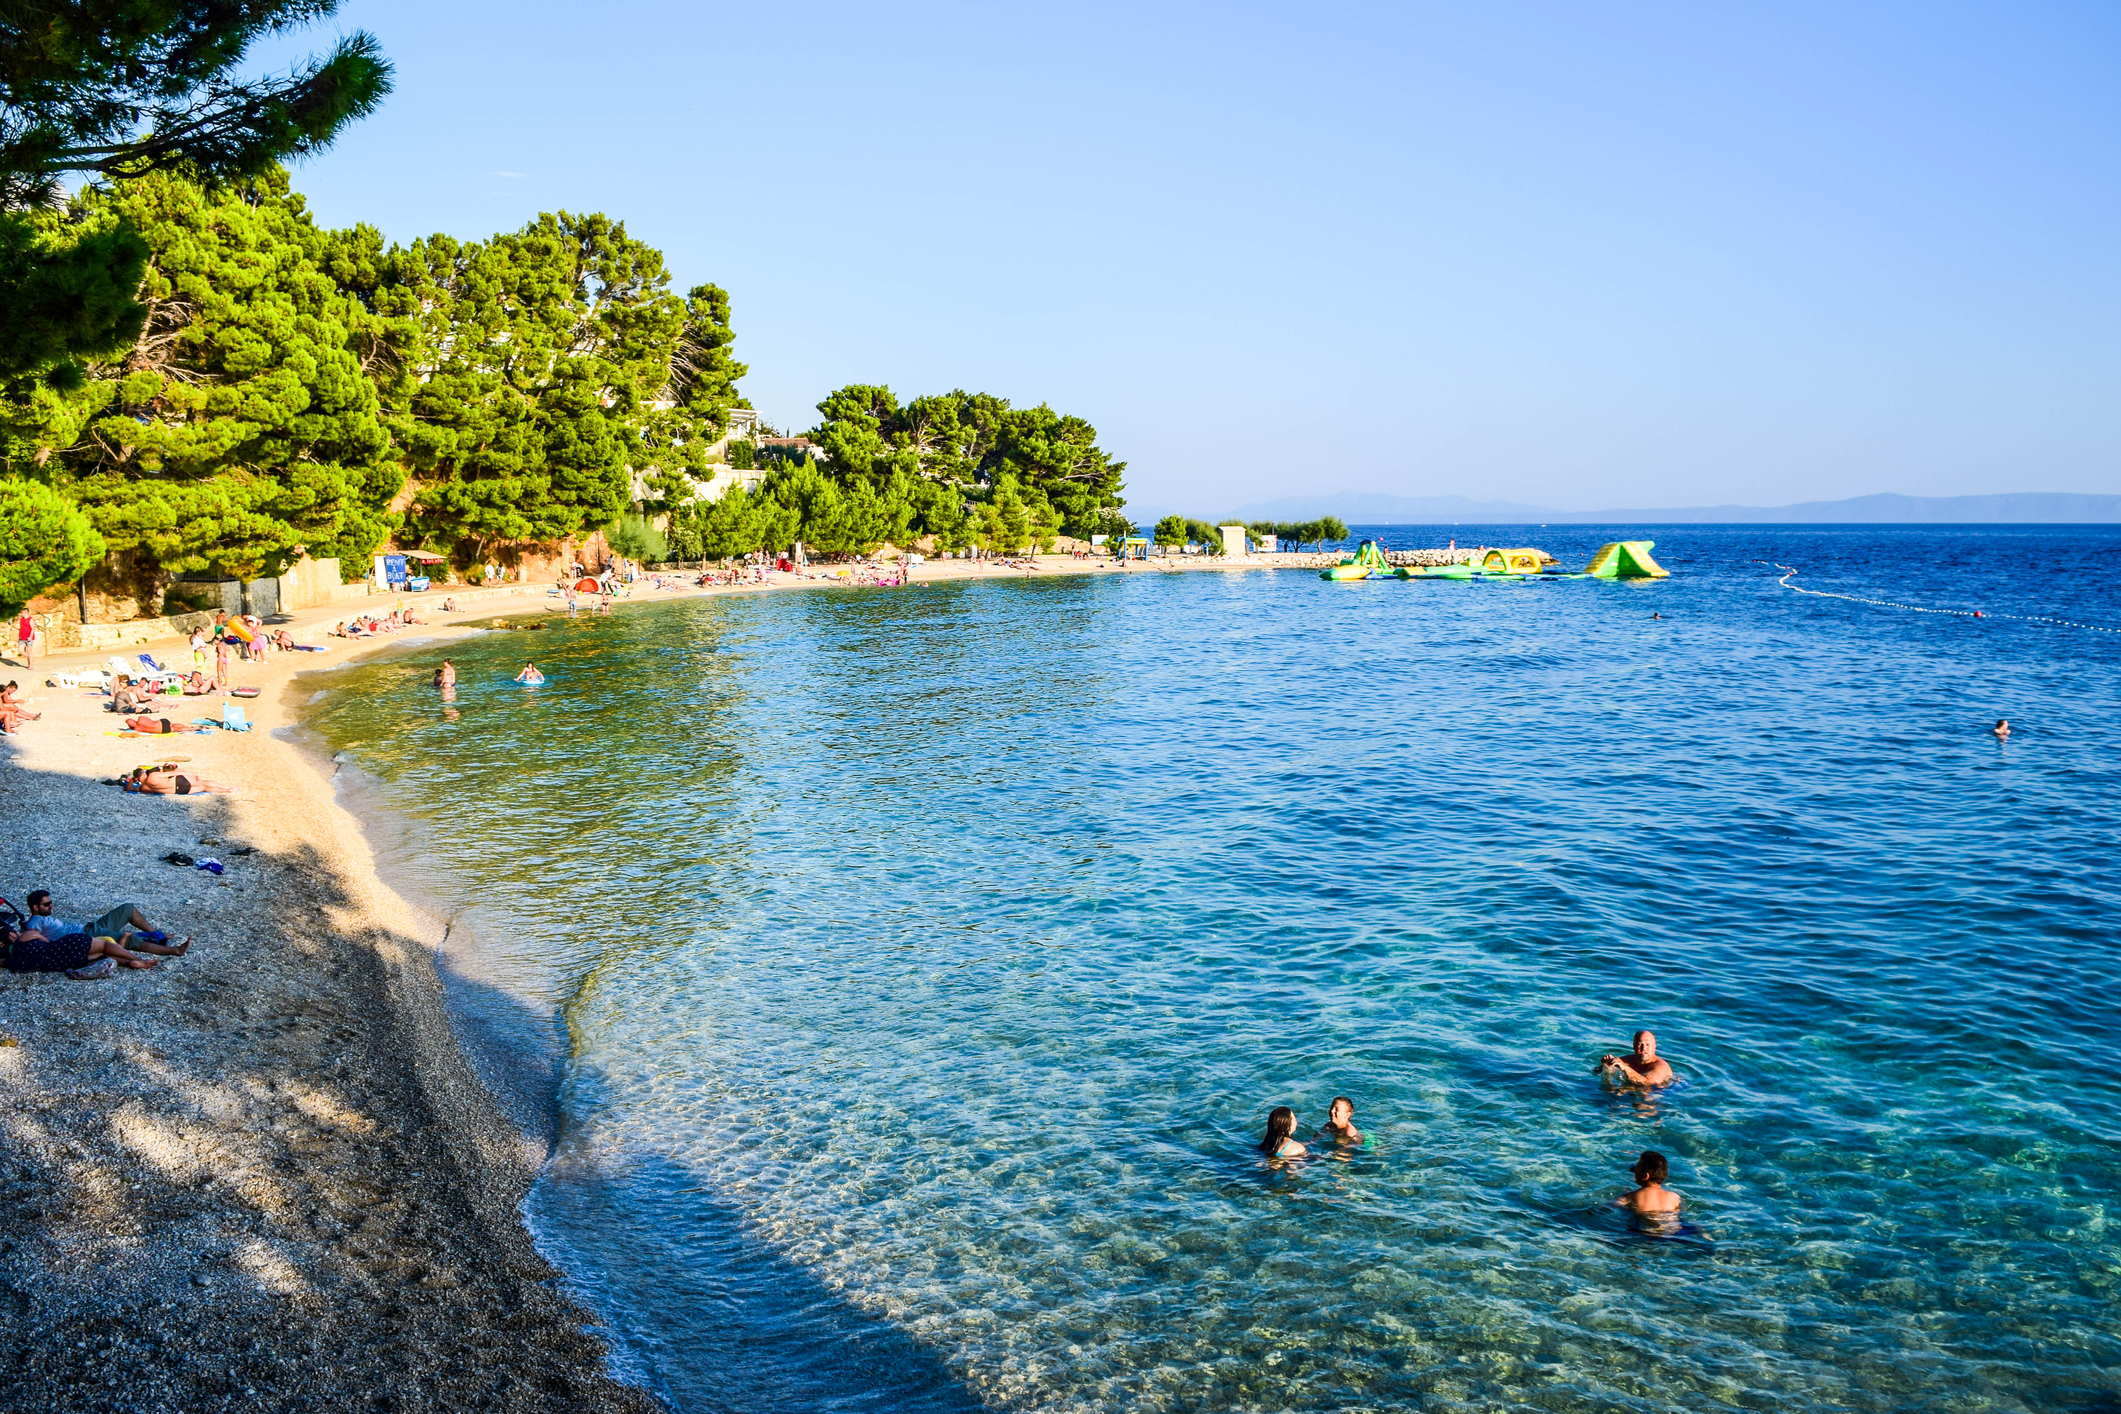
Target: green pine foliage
{"points": [[546, 352], [120, 88], [690, 413], [968, 444], [241, 423], [215, 384], [44, 540]]}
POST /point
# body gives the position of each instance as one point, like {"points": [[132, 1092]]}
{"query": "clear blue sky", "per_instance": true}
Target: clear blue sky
{"points": [[1580, 255]]}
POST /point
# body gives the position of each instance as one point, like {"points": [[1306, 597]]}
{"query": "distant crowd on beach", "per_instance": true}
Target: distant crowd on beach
{"points": [[1640, 1068]]}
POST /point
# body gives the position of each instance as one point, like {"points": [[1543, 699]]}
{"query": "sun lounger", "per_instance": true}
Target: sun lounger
{"points": [[62, 680]]}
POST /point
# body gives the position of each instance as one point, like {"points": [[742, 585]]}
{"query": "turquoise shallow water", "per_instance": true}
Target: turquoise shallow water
{"points": [[926, 963]]}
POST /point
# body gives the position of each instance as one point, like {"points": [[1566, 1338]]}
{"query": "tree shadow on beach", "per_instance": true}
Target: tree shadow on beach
{"points": [[258, 1176]]}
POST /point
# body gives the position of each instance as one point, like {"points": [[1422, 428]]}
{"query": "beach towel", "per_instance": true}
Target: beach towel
{"points": [[232, 718]]}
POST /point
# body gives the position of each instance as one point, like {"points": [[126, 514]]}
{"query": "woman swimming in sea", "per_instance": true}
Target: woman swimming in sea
{"points": [[1280, 1142], [530, 674]]}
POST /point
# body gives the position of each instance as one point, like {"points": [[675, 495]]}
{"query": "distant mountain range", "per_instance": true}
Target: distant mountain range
{"points": [[1374, 508]]}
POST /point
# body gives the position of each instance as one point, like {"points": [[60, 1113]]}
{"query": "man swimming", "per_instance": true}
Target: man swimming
{"points": [[1643, 1066], [1340, 1122], [1650, 1197], [2002, 729]]}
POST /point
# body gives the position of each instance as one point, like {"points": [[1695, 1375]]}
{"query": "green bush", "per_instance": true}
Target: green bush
{"points": [[637, 539]]}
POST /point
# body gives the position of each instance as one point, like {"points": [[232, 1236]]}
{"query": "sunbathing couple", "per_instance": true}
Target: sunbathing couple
{"points": [[47, 944], [1641, 1066]]}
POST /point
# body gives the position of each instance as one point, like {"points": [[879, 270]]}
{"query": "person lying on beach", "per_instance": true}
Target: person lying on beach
{"points": [[530, 673], [2002, 729], [169, 781], [1280, 1142], [1642, 1066], [28, 950], [116, 923], [1650, 1196], [1340, 1122], [197, 686], [158, 726]]}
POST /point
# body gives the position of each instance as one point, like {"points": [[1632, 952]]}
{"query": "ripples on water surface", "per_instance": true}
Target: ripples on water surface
{"points": [[930, 959]]}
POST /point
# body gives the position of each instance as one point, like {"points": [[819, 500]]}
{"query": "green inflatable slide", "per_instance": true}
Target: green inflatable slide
{"points": [[1626, 559]]}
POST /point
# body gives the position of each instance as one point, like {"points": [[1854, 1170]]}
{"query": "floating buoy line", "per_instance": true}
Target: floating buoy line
{"points": [[1790, 570]]}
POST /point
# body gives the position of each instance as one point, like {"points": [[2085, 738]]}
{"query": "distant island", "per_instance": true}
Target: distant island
{"points": [[2017, 507]]}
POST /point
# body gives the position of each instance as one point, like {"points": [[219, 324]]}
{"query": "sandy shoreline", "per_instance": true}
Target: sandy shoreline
{"points": [[264, 1175]]}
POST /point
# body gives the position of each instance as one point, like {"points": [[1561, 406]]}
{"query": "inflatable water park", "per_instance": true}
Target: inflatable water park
{"points": [[1619, 559]]}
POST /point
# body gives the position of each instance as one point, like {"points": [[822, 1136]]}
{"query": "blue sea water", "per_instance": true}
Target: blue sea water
{"points": [[925, 963]]}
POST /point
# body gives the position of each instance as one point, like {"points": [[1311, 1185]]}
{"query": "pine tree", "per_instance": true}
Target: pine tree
{"points": [[547, 347], [241, 423]]}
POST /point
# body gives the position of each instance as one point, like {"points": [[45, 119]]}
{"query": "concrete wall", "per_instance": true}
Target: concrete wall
{"points": [[306, 585], [309, 583]]}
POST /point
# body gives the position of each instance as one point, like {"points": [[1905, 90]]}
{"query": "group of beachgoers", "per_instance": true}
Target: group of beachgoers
{"points": [[1640, 1068], [131, 694], [370, 626], [41, 942]]}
